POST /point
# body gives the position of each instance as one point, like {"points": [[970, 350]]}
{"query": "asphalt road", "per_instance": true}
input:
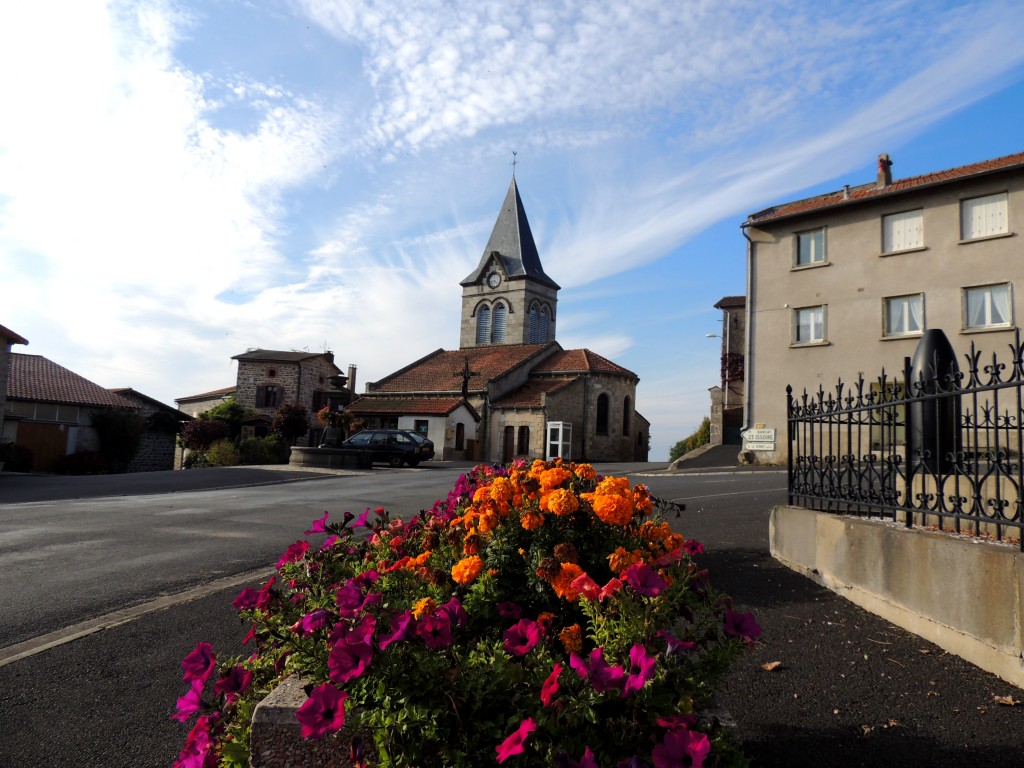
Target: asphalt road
{"points": [[850, 689]]}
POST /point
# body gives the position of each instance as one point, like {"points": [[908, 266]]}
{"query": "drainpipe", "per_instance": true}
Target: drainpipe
{"points": [[748, 383]]}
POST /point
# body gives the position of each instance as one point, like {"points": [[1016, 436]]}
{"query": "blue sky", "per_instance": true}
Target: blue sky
{"points": [[182, 181]]}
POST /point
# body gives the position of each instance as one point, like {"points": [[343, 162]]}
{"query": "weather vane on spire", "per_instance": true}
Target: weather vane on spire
{"points": [[514, 161]]}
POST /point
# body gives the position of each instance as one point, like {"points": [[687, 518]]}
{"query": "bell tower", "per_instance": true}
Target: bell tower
{"points": [[508, 298]]}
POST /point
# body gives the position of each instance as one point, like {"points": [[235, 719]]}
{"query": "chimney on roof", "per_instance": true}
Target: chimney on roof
{"points": [[352, 377], [846, 192], [884, 171]]}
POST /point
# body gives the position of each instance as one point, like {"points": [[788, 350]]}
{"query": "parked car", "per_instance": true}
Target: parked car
{"points": [[393, 446]]}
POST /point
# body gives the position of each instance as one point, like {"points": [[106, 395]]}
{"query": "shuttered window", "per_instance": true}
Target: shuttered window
{"points": [[983, 217], [498, 324], [483, 325], [902, 231], [543, 337], [533, 324]]}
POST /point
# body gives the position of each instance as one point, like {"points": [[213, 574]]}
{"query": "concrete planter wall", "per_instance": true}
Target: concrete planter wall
{"points": [[965, 595]]}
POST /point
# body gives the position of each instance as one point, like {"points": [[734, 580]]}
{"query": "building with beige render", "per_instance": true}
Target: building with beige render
{"points": [[843, 284]]}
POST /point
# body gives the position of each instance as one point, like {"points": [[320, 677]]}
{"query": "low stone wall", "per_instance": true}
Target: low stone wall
{"points": [[963, 594], [329, 458], [277, 742]]}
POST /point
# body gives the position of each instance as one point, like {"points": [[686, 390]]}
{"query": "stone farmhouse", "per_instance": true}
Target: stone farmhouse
{"points": [[510, 389], [845, 283]]}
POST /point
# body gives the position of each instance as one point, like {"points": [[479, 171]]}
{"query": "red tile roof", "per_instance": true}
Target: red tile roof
{"points": [[867, 192], [440, 371], [279, 356], [730, 302], [35, 378], [207, 395], [580, 361], [529, 395], [11, 337], [420, 406]]}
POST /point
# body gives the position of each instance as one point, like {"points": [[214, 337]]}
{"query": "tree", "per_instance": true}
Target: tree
{"points": [[701, 436], [199, 434], [119, 431], [290, 422], [232, 413]]}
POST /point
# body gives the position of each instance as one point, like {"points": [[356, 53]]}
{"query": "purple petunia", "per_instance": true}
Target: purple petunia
{"points": [[190, 703], [742, 625], [349, 659], [435, 630], [522, 637], [645, 581], [323, 712], [293, 554], [401, 629], [319, 526], [198, 664], [514, 744], [601, 676], [641, 669], [236, 681], [681, 747]]}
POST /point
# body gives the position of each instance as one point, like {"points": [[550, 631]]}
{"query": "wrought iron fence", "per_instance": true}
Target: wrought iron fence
{"points": [[939, 447]]}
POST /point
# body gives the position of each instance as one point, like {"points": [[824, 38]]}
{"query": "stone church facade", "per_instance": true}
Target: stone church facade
{"points": [[511, 389]]}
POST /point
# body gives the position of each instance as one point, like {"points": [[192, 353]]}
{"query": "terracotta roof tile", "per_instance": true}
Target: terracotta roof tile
{"points": [[580, 361], [866, 192], [278, 356], [207, 395], [440, 371], [420, 406], [729, 302], [529, 395], [35, 378]]}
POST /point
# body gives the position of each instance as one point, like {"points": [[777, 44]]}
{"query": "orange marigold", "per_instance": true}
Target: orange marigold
{"points": [[488, 521], [423, 607], [418, 561], [471, 544], [572, 639], [562, 502], [642, 499], [532, 520], [467, 569], [584, 471], [482, 493], [562, 583], [553, 478], [614, 510], [501, 490], [620, 559]]}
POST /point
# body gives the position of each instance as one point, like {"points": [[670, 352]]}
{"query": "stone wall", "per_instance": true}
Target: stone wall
{"points": [[614, 446], [299, 381]]}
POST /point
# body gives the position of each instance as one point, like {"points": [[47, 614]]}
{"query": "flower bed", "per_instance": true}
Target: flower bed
{"points": [[540, 615]]}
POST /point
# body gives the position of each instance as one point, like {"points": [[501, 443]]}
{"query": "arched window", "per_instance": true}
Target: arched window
{"points": [[626, 409], [483, 325], [498, 324], [533, 324], [544, 326], [602, 414], [524, 441]]}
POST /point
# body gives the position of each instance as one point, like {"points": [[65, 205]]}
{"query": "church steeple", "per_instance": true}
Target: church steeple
{"points": [[508, 298]]}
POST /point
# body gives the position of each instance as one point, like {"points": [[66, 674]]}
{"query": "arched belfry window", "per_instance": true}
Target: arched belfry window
{"points": [[483, 324], [533, 324], [498, 324], [602, 414], [543, 337], [627, 407]]}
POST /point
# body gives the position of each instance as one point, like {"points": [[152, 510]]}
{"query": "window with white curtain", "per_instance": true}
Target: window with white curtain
{"points": [[483, 325], [904, 315], [983, 217], [809, 325], [810, 247], [987, 306], [903, 231]]}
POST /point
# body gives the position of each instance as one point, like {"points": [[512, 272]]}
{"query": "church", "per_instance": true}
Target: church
{"points": [[510, 389]]}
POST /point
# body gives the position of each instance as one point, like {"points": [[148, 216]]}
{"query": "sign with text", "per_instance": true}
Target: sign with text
{"points": [[759, 440]]}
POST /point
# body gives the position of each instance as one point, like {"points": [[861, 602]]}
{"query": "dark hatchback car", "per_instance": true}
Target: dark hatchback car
{"points": [[392, 446]]}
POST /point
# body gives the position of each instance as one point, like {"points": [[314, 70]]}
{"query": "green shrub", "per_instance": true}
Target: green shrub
{"points": [[195, 460], [223, 453], [16, 458], [263, 450]]}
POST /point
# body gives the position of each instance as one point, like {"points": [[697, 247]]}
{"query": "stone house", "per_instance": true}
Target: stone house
{"points": [[728, 398], [50, 408], [510, 389], [159, 442], [194, 405], [845, 283], [8, 339]]}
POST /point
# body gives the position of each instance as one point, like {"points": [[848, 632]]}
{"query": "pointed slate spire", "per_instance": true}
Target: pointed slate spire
{"points": [[512, 241]]}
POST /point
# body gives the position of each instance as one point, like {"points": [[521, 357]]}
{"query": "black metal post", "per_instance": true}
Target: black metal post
{"points": [[933, 416]]}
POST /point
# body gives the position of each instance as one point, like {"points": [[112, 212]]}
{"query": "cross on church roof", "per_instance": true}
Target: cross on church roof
{"points": [[466, 374]]}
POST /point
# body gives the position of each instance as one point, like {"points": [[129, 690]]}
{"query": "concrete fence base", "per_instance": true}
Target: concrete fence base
{"points": [[965, 595]]}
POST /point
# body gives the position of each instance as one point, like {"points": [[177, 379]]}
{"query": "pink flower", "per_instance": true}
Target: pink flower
{"points": [[349, 598], [677, 721], [401, 624], [509, 611], [675, 645], [681, 748], [311, 622], [236, 681], [319, 526], [360, 632], [349, 658], [611, 588], [641, 669], [456, 613], [330, 541], [521, 638], [435, 630], [323, 712], [742, 625], [550, 686], [588, 761], [199, 663], [693, 547], [587, 587], [363, 520], [293, 554], [597, 671], [190, 703], [196, 751], [644, 581], [513, 745], [246, 599]]}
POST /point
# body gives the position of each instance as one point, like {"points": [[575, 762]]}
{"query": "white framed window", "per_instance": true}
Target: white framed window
{"points": [[810, 247], [903, 315], [903, 231], [809, 325], [983, 217], [988, 306]]}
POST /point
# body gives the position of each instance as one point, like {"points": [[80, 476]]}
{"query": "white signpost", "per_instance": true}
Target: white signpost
{"points": [[759, 439]]}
